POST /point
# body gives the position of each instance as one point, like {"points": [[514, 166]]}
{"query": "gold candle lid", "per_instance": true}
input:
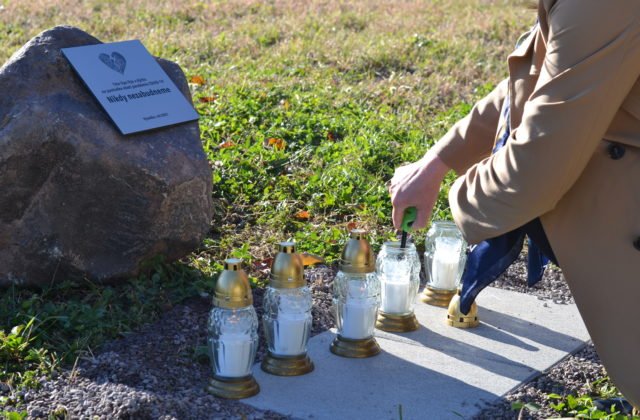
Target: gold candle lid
{"points": [[456, 318], [357, 255], [287, 270], [232, 289]]}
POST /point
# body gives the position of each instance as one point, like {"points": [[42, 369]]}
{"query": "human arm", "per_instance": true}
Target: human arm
{"points": [[471, 139], [466, 143]]}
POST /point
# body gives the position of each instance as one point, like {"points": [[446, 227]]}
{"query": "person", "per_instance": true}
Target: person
{"points": [[570, 164]]}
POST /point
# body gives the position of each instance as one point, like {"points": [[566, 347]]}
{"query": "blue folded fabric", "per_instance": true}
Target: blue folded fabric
{"points": [[490, 258]]}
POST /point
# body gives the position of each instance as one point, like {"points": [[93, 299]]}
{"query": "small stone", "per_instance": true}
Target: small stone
{"points": [[37, 413]]}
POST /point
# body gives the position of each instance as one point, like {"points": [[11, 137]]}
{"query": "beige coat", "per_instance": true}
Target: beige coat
{"points": [[573, 160]]}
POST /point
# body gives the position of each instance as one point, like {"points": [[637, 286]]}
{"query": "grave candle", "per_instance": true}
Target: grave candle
{"points": [[444, 260], [232, 334], [399, 270], [356, 298], [287, 315]]}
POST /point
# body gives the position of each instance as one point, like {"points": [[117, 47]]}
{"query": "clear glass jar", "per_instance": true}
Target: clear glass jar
{"points": [[233, 341], [356, 301], [399, 272], [445, 255], [287, 320]]}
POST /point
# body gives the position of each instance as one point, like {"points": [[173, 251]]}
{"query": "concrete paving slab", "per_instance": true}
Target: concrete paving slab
{"points": [[437, 372]]}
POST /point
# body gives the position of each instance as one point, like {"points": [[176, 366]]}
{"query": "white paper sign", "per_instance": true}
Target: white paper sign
{"points": [[130, 85]]}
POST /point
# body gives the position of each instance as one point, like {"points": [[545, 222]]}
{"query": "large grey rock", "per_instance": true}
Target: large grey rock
{"points": [[78, 198]]}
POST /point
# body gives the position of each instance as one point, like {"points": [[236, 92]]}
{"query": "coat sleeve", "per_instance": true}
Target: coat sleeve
{"points": [[592, 61], [471, 139]]}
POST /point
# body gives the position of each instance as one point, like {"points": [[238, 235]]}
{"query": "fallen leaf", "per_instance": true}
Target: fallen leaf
{"points": [[198, 80], [331, 136], [303, 215], [351, 226], [226, 144], [276, 143], [207, 99], [310, 259]]}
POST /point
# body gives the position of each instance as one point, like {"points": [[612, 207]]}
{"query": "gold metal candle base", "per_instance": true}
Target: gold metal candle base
{"points": [[347, 347], [233, 388], [287, 366], [397, 323], [463, 321], [437, 297]]}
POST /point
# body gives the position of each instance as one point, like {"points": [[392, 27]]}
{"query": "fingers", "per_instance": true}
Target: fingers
{"points": [[413, 185], [396, 215], [401, 181], [421, 219]]}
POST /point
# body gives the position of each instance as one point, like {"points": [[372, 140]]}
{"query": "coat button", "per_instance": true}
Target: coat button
{"points": [[616, 151], [636, 244]]}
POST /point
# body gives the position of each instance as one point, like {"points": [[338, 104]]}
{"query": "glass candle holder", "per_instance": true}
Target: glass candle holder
{"points": [[444, 260], [233, 341], [356, 300], [287, 320], [287, 315], [232, 334], [399, 272]]}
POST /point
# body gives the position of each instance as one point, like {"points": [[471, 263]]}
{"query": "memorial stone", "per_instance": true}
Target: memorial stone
{"points": [[79, 198]]}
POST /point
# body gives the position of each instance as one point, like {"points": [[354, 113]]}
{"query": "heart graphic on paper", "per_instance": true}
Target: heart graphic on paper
{"points": [[116, 62]]}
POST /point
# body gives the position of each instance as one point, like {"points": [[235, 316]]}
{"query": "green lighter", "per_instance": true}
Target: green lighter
{"points": [[408, 218]]}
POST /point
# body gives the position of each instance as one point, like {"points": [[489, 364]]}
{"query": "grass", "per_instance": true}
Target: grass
{"points": [[42, 331], [306, 109], [581, 406]]}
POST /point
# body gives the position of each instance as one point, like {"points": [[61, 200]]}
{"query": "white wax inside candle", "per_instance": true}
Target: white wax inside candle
{"points": [[358, 319], [446, 257], [395, 297], [234, 355], [290, 334], [445, 271]]}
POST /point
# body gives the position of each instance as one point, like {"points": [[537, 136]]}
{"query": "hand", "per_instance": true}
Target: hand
{"points": [[417, 184]]}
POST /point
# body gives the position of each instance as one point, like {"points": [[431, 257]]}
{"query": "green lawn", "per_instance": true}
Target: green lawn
{"points": [[306, 109]]}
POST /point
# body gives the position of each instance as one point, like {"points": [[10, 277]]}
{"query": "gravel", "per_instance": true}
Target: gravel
{"points": [[154, 373], [160, 371], [552, 286]]}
